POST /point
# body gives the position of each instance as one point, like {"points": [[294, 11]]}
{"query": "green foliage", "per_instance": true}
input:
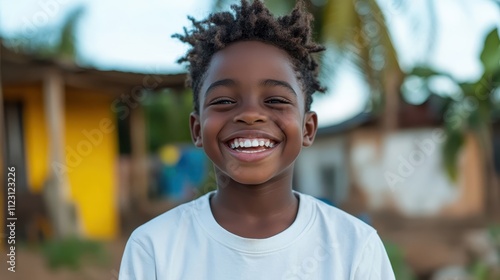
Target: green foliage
{"points": [[474, 109], [72, 252], [494, 231], [490, 56], [479, 269], [167, 118], [66, 48], [453, 144], [49, 41], [425, 72], [401, 269]]}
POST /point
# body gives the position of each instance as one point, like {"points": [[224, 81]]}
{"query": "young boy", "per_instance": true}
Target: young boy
{"points": [[253, 77]]}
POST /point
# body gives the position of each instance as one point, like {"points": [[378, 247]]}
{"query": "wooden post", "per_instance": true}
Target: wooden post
{"points": [[53, 92], [56, 188], [139, 157]]}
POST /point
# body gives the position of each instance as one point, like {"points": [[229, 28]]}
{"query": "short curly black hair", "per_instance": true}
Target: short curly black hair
{"points": [[254, 21]]}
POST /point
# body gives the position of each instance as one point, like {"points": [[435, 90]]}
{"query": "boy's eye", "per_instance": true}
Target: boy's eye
{"points": [[222, 101], [277, 100]]}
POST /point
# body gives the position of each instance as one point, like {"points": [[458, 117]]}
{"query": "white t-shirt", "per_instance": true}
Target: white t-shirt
{"points": [[322, 243]]}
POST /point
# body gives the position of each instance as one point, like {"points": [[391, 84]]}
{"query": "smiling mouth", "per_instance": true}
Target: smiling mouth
{"points": [[251, 145]]}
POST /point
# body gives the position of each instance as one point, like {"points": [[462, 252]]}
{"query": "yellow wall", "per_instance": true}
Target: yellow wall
{"points": [[90, 162]]}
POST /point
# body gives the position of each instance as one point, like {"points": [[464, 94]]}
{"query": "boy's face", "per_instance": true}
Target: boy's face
{"points": [[252, 122]]}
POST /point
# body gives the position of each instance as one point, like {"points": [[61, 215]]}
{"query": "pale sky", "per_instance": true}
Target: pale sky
{"points": [[134, 35]]}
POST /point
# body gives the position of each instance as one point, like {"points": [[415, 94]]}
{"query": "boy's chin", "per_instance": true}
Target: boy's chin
{"points": [[237, 174], [250, 179]]}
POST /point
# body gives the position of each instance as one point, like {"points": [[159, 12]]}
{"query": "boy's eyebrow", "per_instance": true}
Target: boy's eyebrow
{"points": [[273, 83], [224, 82]]}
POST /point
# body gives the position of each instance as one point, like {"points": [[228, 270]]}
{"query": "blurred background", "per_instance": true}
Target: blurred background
{"points": [[94, 117]]}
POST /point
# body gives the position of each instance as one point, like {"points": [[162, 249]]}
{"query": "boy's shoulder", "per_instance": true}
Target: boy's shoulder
{"points": [[337, 220], [155, 228]]}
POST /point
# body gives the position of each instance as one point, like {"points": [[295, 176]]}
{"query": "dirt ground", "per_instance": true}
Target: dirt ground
{"points": [[30, 264]]}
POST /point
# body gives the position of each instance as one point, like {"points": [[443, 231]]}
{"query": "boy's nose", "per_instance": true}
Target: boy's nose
{"points": [[250, 114]]}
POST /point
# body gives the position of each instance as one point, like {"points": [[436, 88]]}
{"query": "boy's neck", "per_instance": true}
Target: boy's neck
{"points": [[255, 211]]}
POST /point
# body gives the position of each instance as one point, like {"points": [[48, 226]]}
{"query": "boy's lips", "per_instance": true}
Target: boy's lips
{"points": [[252, 154], [250, 145]]}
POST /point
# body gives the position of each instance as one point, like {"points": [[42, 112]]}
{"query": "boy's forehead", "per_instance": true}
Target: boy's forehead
{"points": [[252, 46], [251, 59]]}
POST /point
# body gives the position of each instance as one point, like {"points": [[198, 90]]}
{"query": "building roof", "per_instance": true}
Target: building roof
{"points": [[18, 68], [356, 121]]}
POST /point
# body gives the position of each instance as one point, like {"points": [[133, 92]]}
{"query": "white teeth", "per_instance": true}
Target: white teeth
{"points": [[248, 143], [252, 152]]}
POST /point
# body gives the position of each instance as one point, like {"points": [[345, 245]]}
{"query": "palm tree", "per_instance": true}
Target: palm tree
{"points": [[50, 43], [357, 32], [472, 111]]}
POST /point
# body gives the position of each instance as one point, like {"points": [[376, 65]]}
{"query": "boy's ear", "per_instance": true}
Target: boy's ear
{"points": [[310, 127], [194, 125]]}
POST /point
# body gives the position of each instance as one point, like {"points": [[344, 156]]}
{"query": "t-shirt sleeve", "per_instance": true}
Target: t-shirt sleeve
{"points": [[136, 263], [373, 264]]}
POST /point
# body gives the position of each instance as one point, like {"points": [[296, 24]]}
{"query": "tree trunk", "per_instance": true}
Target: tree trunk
{"points": [[392, 83]]}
